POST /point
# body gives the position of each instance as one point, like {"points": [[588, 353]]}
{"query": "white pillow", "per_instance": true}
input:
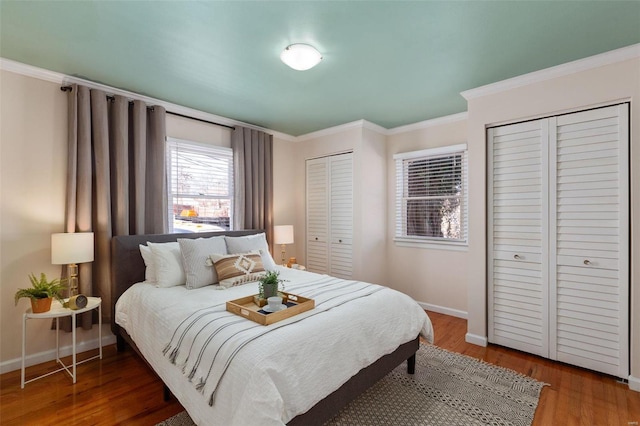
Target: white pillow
{"points": [[198, 269], [238, 269], [247, 243], [167, 261], [150, 270]]}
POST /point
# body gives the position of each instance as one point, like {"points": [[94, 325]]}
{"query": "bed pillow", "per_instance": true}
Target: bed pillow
{"points": [[150, 270], [167, 262], [237, 269], [249, 243], [199, 271]]}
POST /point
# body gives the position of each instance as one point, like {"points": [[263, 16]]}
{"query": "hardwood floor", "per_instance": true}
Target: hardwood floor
{"points": [[120, 389], [575, 396]]}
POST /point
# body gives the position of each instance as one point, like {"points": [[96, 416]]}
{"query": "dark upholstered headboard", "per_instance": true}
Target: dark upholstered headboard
{"points": [[127, 266]]}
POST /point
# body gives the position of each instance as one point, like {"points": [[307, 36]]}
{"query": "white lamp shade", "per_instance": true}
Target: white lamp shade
{"points": [[283, 234], [72, 247], [300, 57]]}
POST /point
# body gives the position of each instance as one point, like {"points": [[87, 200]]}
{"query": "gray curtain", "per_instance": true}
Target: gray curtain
{"points": [[116, 181], [253, 180]]}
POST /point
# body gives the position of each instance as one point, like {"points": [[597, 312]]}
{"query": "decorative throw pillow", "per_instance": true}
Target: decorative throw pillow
{"points": [[238, 269], [167, 261], [195, 254], [247, 243], [150, 270]]}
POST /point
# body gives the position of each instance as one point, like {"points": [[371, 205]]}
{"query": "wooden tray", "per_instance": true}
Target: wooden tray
{"points": [[246, 307]]}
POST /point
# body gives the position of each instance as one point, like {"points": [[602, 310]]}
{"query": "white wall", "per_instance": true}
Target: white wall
{"points": [[605, 84], [285, 208], [435, 277], [371, 208]]}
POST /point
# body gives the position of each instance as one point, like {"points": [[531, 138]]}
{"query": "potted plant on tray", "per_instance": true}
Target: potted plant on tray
{"points": [[41, 293], [269, 285]]}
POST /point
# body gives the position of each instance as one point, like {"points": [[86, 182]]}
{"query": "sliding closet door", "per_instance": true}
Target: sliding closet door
{"points": [[590, 239], [341, 203], [317, 216], [558, 238], [517, 236], [330, 215]]}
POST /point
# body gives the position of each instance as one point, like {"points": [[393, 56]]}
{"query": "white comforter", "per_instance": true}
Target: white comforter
{"points": [[275, 378]]}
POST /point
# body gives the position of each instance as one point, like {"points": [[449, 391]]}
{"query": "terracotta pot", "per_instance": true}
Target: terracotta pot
{"points": [[39, 306]]}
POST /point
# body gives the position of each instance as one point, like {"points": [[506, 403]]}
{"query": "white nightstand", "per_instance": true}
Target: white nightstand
{"points": [[57, 312]]}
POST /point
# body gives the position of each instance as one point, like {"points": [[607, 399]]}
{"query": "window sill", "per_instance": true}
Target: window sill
{"points": [[440, 245]]}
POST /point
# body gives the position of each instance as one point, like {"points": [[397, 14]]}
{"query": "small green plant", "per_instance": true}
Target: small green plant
{"points": [[42, 288], [270, 284]]}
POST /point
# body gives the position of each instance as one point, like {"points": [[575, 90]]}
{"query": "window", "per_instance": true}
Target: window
{"points": [[431, 195], [200, 188]]}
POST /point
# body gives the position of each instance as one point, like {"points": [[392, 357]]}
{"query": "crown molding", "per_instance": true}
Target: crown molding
{"points": [[63, 79], [335, 129], [364, 124], [374, 127], [31, 71], [447, 119], [602, 59]]}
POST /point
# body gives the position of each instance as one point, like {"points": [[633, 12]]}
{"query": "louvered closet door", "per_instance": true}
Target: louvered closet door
{"points": [[517, 236], [341, 204], [317, 216], [590, 285]]}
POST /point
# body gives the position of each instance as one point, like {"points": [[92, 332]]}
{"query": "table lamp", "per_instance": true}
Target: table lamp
{"points": [[70, 249], [283, 234]]}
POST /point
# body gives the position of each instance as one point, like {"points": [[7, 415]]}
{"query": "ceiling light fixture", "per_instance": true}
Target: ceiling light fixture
{"points": [[300, 56]]}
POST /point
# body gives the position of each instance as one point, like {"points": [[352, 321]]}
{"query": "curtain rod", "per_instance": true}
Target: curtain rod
{"points": [[201, 119], [110, 97]]}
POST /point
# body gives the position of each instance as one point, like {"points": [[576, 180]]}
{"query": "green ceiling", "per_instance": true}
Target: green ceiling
{"points": [[392, 63]]}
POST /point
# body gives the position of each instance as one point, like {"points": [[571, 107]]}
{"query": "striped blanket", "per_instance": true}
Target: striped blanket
{"points": [[206, 342]]}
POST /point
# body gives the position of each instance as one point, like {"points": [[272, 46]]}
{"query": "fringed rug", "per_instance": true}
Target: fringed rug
{"points": [[447, 389]]}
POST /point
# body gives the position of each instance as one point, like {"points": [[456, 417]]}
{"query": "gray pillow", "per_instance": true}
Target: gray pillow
{"points": [[249, 243], [195, 258]]}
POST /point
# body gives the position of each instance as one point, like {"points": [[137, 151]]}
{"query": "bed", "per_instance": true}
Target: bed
{"points": [[301, 372]]}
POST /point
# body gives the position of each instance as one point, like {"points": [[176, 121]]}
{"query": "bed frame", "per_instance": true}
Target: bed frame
{"points": [[127, 268]]}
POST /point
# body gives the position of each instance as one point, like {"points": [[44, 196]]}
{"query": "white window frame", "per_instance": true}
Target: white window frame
{"points": [[201, 148], [400, 238]]}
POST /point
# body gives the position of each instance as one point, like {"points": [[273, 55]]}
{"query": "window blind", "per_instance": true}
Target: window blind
{"points": [[200, 186], [431, 195]]}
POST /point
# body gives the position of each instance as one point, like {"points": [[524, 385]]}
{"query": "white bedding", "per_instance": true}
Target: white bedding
{"points": [[279, 376]]}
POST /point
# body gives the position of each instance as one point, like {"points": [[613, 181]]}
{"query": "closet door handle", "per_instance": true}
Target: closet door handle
{"points": [[316, 238], [339, 241], [587, 262], [517, 256]]}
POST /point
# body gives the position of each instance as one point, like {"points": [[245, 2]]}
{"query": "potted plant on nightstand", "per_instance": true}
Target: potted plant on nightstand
{"points": [[41, 293]]}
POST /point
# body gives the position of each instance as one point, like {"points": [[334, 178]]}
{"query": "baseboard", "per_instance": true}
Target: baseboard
{"points": [[474, 339], [39, 358], [634, 383], [443, 310]]}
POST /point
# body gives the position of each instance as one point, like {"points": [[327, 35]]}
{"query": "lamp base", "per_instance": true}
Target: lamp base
{"points": [[284, 262]]}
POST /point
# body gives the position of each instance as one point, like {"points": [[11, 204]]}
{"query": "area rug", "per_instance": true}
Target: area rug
{"points": [[447, 389]]}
